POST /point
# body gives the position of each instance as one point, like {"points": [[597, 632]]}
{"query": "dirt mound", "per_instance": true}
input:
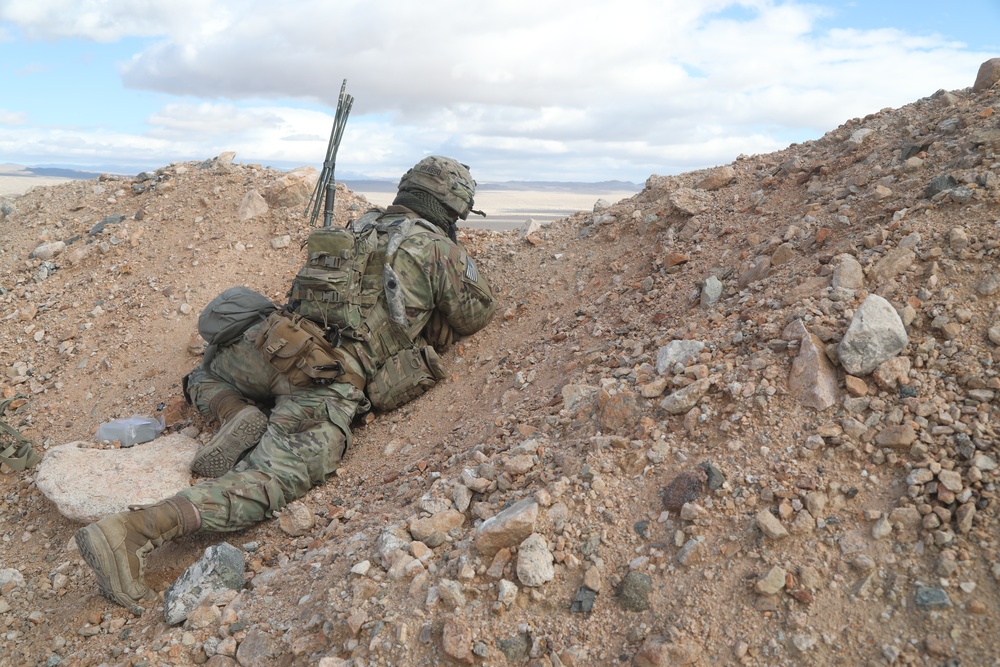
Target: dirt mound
{"points": [[682, 508]]}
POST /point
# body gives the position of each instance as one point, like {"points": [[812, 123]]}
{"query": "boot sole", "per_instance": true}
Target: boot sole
{"points": [[96, 550], [220, 455]]}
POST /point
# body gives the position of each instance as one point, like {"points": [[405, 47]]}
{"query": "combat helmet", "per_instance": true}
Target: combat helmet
{"points": [[449, 181]]}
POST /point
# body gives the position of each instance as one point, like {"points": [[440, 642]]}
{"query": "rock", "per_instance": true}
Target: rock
{"points": [[452, 594], [258, 649], [895, 262], [875, 335], [253, 205], [657, 652], [685, 488], [711, 292], [515, 648], [988, 75], [508, 528], [110, 220], [88, 484], [964, 516], [951, 480], [293, 189], [784, 253], [677, 352], [932, 598], [690, 202], [634, 591], [506, 592], [389, 541], [847, 273], [769, 525], [691, 552], [456, 640], [10, 576], [433, 530], [892, 373], [984, 463], [47, 251], [813, 379], [529, 227], [584, 600], [719, 177], [218, 570], [772, 582], [575, 395], [618, 412], [296, 519], [860, 136], [682, 400], [898, 437], [534, 562]]}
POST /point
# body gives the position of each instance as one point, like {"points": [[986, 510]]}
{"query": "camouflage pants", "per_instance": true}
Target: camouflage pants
{"points": [[308, 431]]}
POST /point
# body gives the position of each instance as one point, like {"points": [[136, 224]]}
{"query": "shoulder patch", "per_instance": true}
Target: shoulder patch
{"points": [[471, 273]]}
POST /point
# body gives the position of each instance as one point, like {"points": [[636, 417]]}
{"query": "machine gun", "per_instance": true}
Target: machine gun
{"points": [[326, 187]]}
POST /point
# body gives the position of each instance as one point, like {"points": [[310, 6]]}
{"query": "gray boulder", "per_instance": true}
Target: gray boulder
{"points": [[876, 334], [218, 570]]}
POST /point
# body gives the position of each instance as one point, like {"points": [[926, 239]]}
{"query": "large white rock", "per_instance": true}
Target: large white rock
{"points": [[88, 484], [876, 334]]}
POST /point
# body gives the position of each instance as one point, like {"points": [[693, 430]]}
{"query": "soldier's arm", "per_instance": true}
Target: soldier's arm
{"points": [[462, 294]]}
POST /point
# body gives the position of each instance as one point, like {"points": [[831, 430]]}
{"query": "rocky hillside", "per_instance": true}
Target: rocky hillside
{"points": [[745, 417]]}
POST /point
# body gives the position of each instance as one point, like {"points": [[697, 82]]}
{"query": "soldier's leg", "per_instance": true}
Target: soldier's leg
{"points": [[227, 387], [236, 369], [304, 443]]}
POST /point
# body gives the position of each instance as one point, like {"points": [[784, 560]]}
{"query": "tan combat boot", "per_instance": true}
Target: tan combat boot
{"points": [[116, 546], [242, 427]]}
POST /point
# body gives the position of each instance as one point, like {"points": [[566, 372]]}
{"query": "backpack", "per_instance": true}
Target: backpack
{"points": [[349, 288], [228, 315], [333, 288]]}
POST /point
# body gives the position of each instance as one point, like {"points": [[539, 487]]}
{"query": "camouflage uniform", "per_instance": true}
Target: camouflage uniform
{"points": [[309, 427]]}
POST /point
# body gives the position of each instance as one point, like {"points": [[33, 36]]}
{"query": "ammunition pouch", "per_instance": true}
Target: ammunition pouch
{"points": [[297, 349], [404, 376], [16, 451]]}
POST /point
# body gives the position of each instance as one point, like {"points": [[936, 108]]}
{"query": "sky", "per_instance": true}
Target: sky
{"points": [[554, 90]]}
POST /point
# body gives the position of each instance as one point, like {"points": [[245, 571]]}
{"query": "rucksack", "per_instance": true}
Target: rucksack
{"points": [[349, 288], [228, 315]]}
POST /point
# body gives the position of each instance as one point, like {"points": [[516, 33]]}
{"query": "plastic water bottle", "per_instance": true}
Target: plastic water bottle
{"points": [[130, 430]]}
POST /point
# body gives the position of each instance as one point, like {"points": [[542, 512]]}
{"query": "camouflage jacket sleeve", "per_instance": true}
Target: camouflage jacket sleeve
{"points": [[457, 291]]}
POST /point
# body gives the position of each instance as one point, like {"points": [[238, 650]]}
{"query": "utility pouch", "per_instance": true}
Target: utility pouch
{"points": [[16, 451], [404, 376], [297, 349]]}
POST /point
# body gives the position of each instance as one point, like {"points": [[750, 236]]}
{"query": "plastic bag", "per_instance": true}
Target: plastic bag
{"points": [[130, 430]]}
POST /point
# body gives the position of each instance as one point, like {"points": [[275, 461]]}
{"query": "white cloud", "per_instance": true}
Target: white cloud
{"points": [[13, 117], [110, 20], [563, 86]]}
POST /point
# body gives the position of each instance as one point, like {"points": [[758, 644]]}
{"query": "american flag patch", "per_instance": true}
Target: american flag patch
{"points": [[471, 273]]}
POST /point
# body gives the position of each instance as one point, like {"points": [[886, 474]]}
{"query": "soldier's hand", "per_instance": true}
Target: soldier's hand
{"points": [[438, 332]]}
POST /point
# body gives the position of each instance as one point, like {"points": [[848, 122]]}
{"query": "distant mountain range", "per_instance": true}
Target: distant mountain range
{"points": [[355, 184], [533, 186]]}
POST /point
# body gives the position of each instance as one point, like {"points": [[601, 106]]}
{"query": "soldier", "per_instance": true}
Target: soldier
{"points": [[401, 285]]}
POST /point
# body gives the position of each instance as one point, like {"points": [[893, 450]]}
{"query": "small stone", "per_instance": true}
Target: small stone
{"points": [[772, 582], [584, 600], [296, 519], [932, 598], [686, 487], [634, 591], [770, 526]]}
